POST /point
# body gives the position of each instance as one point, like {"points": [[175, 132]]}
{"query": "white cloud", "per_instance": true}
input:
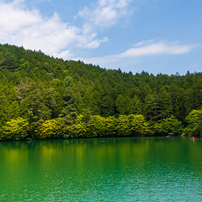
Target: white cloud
{"points": [[106, 12], [64, 54], [28, 28], [85, 42], [157, 48], [13, 17], [144, 48]]}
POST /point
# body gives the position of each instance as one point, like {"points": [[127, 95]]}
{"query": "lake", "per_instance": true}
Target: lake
{"points": [[105, 169]]}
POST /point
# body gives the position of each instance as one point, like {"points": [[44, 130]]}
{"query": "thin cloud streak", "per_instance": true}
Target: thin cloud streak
{"points": [[157, 48], [147, 50]]}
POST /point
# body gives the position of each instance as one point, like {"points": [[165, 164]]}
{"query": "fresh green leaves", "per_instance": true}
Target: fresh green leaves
{"points": [[87, 101]]}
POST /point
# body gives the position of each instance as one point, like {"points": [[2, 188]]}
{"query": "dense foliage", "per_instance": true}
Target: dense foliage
{"points": [[43, 97]]}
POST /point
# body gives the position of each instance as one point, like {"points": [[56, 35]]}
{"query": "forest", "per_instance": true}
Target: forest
{"points": [[47, 98]]}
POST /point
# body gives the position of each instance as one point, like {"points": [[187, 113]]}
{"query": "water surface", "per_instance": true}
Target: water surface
{"points": [[106, 169]]}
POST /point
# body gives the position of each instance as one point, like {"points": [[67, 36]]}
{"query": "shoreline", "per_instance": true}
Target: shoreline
{"points": [[76, 138]]}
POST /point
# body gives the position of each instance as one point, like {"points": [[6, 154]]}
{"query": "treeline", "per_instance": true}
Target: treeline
{"points": [[88, 126], [46, 97]]}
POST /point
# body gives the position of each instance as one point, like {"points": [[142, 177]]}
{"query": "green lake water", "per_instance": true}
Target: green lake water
{"points": [[106, 169]]}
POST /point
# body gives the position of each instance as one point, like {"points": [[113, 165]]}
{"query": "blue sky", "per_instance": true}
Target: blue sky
{"points": [[157, 36]]}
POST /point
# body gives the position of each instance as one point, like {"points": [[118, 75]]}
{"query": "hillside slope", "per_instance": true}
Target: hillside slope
{"points": [[35, 88]]}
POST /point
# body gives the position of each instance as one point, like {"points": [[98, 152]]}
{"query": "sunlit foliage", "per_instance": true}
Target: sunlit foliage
{"points": [[68, 99]]}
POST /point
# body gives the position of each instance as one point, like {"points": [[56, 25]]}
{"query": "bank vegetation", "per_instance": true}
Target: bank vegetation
{"points": [[44, 98]]}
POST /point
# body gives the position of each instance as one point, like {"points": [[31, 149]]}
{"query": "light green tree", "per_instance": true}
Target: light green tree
{"points": [[194, 120], [171, 125], [16, 129]]}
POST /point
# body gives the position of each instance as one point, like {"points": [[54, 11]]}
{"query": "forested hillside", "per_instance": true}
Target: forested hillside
{"points": [[44, 97]]}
